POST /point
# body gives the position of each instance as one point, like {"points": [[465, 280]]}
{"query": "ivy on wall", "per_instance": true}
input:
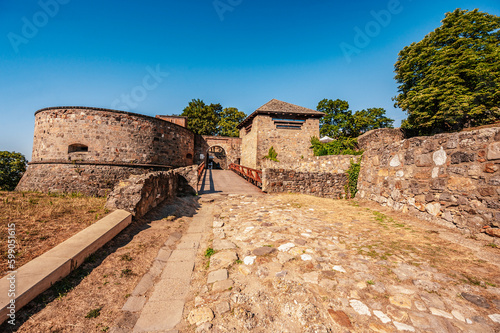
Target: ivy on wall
{"points": [[351, 188]]}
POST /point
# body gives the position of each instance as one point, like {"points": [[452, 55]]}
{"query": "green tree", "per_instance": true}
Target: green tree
{"points": [[203, 119], [451, 78], [339, 122], [229, 119], [12, 167], [335, 123]]}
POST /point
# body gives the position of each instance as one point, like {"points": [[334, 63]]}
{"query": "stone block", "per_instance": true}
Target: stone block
{"points": [[423, 160], [134, 303], [218, 275], [178, 270], [159, 316], [493, 151]]}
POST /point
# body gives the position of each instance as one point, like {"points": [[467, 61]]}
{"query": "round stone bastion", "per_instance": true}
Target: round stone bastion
{"points": [[88, 150]]}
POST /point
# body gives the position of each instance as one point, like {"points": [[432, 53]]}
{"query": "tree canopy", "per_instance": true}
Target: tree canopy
{"points": [[339, 122], [203, 119], [229, 119], [451, 78], [12, 167], [211, 119]]}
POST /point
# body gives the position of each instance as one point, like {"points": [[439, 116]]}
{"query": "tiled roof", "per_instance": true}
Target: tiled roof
{"points": [[275, 106]]}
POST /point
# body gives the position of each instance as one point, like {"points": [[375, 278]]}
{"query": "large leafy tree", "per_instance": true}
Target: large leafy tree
{"points": [[339, 122], [203, 119], [229, 119], [12, 167], [451, 78]]}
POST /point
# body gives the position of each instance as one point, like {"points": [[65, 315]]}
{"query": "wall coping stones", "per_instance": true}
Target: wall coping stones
{"points": [[53, 108]]}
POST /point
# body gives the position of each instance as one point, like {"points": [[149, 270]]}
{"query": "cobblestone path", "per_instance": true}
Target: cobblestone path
{"points": [[294, 263]]}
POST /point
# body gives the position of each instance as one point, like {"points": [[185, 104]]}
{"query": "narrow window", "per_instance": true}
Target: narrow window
{"points": [[77, 148]]}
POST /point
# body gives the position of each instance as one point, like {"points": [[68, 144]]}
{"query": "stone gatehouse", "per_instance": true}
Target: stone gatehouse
{"points": [[88, 150]]}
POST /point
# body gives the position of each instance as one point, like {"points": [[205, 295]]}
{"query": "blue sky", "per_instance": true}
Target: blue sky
{"points": [[240, 53]]}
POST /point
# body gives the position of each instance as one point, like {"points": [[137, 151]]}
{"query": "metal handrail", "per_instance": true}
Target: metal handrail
{"points": [[251, 175]]}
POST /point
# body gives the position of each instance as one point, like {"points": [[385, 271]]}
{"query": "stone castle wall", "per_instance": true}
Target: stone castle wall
{"points": [[111, 137], [88, 179], [88, 150], [138, 194], [249, 142], [290, 144], [232, 147], [450, 178], [322, 176], [328, 163]]}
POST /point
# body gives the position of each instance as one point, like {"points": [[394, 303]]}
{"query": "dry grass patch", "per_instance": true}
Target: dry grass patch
{"points": [[42, 221]]}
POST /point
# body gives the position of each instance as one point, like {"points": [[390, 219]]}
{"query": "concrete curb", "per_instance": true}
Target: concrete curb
{"points": [[42, 272]]}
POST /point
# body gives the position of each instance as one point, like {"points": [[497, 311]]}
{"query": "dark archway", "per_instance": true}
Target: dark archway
{"points": [[217, 158]]}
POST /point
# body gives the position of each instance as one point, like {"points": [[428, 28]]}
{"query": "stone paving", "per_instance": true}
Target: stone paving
{"points": [[294, 263], [157, 302]]}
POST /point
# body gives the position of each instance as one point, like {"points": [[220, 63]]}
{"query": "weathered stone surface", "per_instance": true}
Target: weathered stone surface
{"points": [[222, 260], [223, 244], [222, 307], [115, 149], [444, 166], [400, 301], [382, 316], [200, 315], [478, 300], [340, 318], [360, 307], [218, 275], [439, 157], [262, 251], [404, 327], [222, 285], [493, 151]]}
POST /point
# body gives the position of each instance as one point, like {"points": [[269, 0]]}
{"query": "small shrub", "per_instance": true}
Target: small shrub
{"points": [[209, 252], [272, 155], [126, 272], [94, 313], [126, 257]]}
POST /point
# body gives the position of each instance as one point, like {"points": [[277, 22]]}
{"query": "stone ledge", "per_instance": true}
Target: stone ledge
{"points": [[42, 272]]}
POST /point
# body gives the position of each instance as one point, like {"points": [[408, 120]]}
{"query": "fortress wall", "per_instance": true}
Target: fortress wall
{"points": [[111, 137], [327, 163], [88, 150], [249, 144], [291, 145], [89, 179], [452, 178], [320, 184]]}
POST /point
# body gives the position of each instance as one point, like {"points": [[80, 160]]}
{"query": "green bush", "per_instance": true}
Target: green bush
{"points": [[12, 168], [342, 146], [272, 155]]}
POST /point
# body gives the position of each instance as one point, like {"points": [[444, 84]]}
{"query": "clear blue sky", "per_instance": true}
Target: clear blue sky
{"points": [[239, 53]]}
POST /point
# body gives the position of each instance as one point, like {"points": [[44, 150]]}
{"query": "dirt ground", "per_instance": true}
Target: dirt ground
{"points": [[347, 257], [43, 221], [90, 298]]}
